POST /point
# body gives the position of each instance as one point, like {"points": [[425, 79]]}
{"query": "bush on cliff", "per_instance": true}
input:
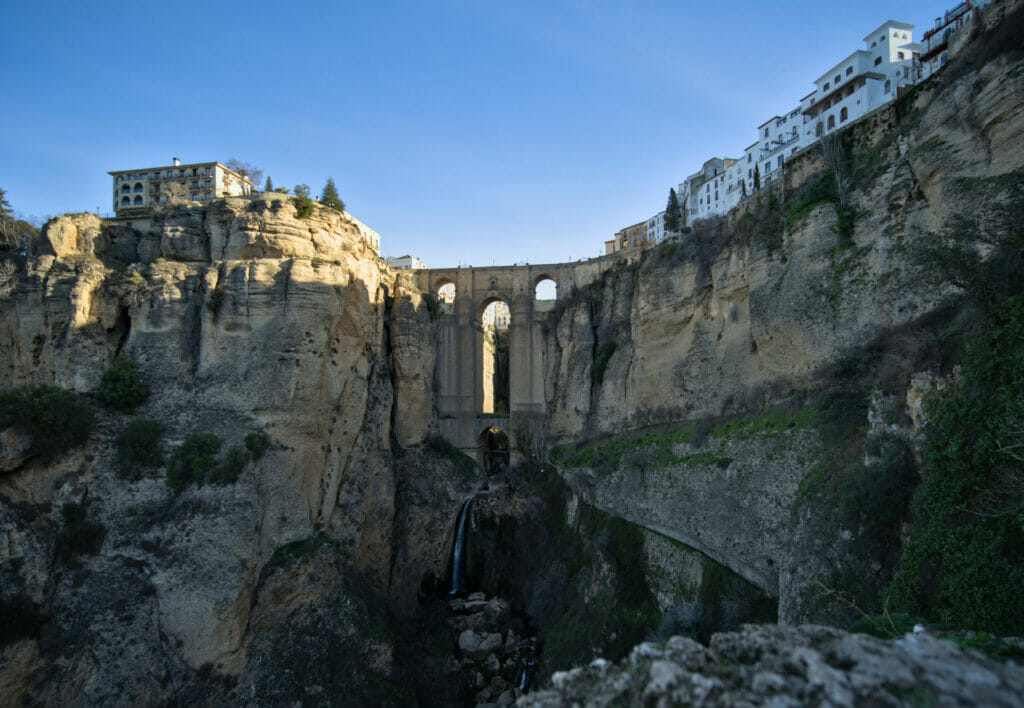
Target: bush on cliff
{"points": [[122, 388], [192, 461], [55, 419], [963, 563], [140, 445]]}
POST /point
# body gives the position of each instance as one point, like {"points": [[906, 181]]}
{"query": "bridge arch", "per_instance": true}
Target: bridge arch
{"points": [[492, 450], [545, 287], [495, 318], [444, 290]]}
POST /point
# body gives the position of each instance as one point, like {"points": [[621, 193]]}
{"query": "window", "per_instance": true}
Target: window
{"points": [[766, 130], [748, 158], [838, 79], [126, 201], [831, 122], [882, 38], [827, 86], [767, 167], [750, 173], [138, 200], [878, 60], [843, 114], [899, 55], [125, 189], [138, 186], [780, 161], [888, 85], [716, 195], [849, 70], [849, 91], [194, 196]]}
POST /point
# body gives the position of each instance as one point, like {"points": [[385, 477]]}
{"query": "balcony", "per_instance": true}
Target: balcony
{"points": [[778, 146]]}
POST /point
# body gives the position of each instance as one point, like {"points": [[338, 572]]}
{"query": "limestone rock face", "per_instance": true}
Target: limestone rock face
{"points": [[241, 318], [774, 665]]}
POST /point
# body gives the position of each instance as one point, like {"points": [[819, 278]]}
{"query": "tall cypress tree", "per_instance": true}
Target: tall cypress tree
{"points": [[330, 197], [757, 177], [270, 185], [673, 215]]}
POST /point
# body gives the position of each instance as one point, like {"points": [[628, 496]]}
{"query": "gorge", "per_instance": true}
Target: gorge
{"points": [[727, 428]]}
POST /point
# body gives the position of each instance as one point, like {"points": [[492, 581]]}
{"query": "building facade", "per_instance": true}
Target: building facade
{"points": [[406, 262], [197, 182]]}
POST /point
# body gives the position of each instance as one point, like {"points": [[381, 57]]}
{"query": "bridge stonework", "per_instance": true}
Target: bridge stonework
{"points": [[459, 372]]}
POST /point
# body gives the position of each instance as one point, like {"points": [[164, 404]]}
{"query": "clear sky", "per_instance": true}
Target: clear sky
{"points": [[464, 131]]}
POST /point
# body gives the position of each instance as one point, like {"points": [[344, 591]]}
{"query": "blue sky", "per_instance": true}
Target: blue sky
{"points": [[464, 131]]}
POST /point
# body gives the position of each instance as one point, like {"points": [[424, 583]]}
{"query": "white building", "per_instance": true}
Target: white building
{"points": [[197, 182], [370, 237], [712, 191], [656, 228], [863, 81], [937, 44], [406, 262]]}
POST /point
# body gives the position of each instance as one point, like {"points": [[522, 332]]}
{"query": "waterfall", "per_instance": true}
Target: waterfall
{"points": [[458, 552]]}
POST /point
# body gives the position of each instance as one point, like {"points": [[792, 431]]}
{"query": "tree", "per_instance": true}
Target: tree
{"points": [[254, 173], [832, 149], [270, 185], [172, 192], [673, 215], [757, 177], [15, 231], [744, 184], [330, 198], [301, 190], [5, 206]]}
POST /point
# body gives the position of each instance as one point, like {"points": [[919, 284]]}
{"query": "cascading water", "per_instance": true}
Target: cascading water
{"points": [[458, 584]]}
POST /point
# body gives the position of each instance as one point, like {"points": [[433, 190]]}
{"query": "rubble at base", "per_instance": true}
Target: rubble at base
{"points": [[772, 665]]}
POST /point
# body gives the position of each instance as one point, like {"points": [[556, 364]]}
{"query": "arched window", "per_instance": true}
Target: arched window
{"points": [[888, 85], [492, 450], [126, 201], [878, 60], [138, 201], [446, 291], [843, 114], [831, 122], [126, 189], [545, 289], [138, 186]]}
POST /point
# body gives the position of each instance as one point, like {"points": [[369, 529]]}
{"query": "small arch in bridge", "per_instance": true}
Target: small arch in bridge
{"points": [[445, 290], [492, 451], [545, 288]]}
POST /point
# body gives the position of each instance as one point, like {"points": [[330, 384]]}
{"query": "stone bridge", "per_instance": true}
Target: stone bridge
{"points": [[459, 372]]}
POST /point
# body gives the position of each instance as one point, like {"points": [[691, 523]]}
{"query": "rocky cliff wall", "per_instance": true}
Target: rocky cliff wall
{"points": [[241, 318]]}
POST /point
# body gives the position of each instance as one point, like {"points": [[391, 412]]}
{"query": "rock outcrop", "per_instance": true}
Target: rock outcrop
{"points": [[790, 666]]}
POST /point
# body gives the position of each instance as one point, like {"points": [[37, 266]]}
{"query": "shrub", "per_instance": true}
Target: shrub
{"points": [[193, 461], [230, 467], [122, 388], [303, 206], [257, 444], [79, 536], [140, 444], [968, 525], [55, 419]]}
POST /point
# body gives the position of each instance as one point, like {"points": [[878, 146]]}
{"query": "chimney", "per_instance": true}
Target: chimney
{"points": [[177, 162]]}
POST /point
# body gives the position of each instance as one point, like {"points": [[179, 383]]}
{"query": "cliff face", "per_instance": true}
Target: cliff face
{"points": [[241, 318], [244, 318]]}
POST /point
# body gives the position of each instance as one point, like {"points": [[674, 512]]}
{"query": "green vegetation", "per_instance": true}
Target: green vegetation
{"points": [[140, 444], [122, 388], [193, 461], [886, 625], [230, 467], [329, 198], [196, 460], [673, 214], [769, 421], [78, 536], [820, 191], [968, 525], [55, 419], [257, 443], [304, 206], [609, 453], [620, 615]]}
